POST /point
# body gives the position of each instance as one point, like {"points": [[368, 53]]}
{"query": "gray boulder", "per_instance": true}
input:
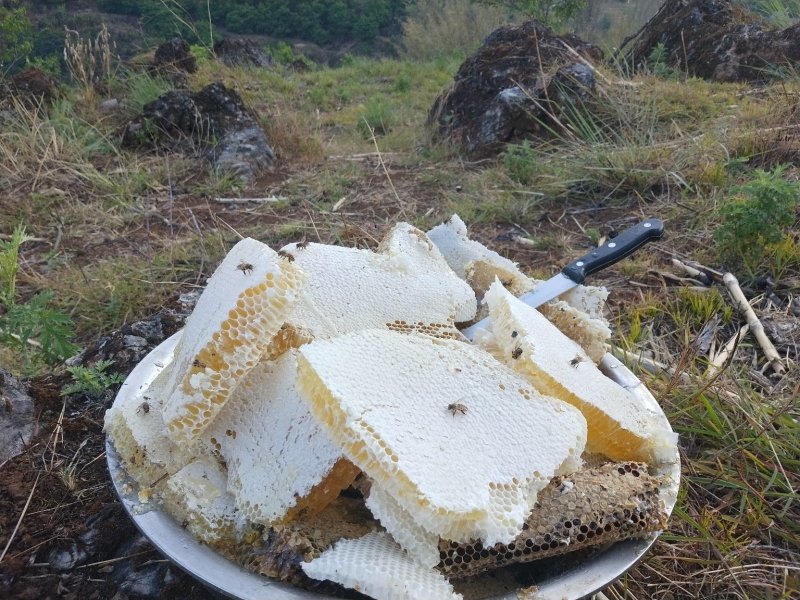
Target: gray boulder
{"points": [[215, 120], [514, 87]]}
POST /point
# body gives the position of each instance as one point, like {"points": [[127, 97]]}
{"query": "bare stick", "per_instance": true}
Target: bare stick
{"points": [[250, 200], [743, 306], [21, 516], [693, 272]]}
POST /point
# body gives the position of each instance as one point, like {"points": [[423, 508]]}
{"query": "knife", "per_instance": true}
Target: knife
{"points": [[614, 250]]}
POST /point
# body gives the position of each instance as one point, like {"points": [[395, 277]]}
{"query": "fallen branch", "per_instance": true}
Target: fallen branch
{"points": [[266, 200], [692, 272], [743, 306]]}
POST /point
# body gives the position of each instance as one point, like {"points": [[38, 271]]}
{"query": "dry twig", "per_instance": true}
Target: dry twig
{"points": [[743, 306]]}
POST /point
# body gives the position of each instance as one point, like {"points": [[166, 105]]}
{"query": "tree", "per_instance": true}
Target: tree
{"points": [[549, 12], [15, 31]]}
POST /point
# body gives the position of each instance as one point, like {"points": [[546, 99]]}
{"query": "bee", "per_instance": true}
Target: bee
{"points": [[286, 255], [514, 334], [457, 407], [143, 407], [516, 353], [576, 361], [245, 267], [301, 245], [198, 364]]}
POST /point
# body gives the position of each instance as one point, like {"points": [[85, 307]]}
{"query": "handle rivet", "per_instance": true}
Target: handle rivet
{"points": [[648, 224], [579, 263], [612, 245]]}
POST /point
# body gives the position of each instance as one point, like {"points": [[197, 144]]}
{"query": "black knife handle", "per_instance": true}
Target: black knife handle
{"points": [[614, 250]]}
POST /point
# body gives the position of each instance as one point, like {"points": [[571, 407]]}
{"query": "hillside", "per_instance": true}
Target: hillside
{"points": [[116, 235]]}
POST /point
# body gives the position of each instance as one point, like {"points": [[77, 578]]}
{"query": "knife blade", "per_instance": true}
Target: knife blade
{"points": [[575, 273]]}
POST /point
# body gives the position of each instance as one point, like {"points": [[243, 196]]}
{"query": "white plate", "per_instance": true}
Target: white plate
{"points": [[218, 573]]}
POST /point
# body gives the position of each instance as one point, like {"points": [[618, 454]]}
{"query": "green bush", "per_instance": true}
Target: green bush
{"points": [[16, 39], [520, 162], [39, 332], [378, 117], [758, 219]]}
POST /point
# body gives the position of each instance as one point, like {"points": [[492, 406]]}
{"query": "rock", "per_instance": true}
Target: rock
{"points": [[110, 105], [241, 52], [508, 90], [17, 422], [716, 40], [127, 346], [32, 86], [175, 55], [214, 119]]}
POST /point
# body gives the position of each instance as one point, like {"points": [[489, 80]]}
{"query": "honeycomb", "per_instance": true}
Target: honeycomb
{"points": [[406, 285], [284, 547], [421, 545], [196, 497], [619, 426], [136, 429], [375, 565], [578, 312], [613, 502], [279, 459], [473, 262], [418, 380], [243, 306], [591, 334]]}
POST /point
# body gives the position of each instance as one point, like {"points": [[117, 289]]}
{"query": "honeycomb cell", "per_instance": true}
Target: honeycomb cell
{"points": [[596, 494], [224, 336]]}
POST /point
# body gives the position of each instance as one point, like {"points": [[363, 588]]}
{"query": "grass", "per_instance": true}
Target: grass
{"points": [[116, 235]]}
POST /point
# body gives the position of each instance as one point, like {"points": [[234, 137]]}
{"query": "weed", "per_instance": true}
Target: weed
{"points": [[378, 118], [33, 327], [521, 162], [658, 63], [141, 88], [91, 381], [89, 62], [757, 219]]}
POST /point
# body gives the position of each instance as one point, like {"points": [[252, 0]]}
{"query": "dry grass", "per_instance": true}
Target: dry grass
{"points": [[462, 23]]}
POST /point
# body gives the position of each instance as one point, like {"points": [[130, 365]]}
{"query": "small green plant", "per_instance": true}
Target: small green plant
{"points": [[521, 163], [758, 219], [378, 117], [92, 381], [36, 329], [658, 62], [282, 53]]}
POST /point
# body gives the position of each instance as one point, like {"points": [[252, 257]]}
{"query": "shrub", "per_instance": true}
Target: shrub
{"points": [[758, 219], [520, 162], [38, 331]]}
